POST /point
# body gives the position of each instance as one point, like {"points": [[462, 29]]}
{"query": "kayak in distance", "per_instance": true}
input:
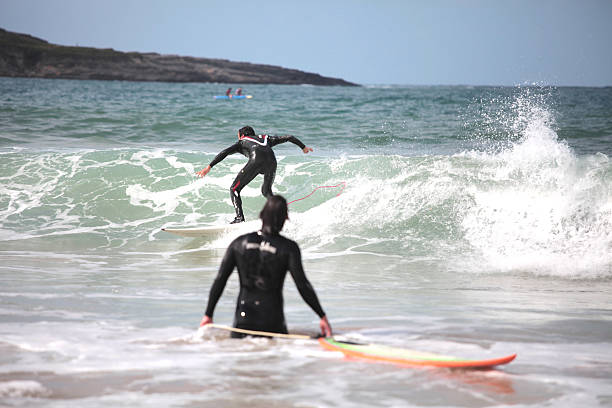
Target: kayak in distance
{"points": [[233, 96]]}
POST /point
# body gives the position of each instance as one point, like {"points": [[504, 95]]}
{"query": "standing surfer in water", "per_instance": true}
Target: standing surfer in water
{"points": [[258, 149], [263, 259]]}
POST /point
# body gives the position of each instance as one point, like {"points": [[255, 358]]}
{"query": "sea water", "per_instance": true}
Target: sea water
{"points": [[467, 221]]}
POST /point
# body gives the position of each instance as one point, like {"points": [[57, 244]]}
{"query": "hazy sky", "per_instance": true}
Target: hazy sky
{"points": [[479, 42]]}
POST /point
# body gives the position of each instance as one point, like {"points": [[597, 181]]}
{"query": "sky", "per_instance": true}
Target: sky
{"points": [[404, 42]]}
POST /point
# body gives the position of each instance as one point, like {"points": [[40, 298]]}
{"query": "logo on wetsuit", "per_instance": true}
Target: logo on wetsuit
{"points": [[263, 246], [250, 139]]}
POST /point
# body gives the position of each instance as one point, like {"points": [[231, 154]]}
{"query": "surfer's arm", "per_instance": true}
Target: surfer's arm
{"points": [[274, 140], [225, 270], [307, 291], [301, 282], [235, 148]]}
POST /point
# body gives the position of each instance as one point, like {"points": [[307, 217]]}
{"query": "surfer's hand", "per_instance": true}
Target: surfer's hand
{"points": [[204, 171], [307, 149], [326, 329], [205, 320]]}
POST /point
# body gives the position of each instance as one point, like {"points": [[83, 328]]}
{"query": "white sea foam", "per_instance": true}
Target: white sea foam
{"points": [[23, 389], [539, 207]]}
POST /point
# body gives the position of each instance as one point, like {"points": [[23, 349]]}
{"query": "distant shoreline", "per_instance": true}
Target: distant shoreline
{"points": [[22, 55]]}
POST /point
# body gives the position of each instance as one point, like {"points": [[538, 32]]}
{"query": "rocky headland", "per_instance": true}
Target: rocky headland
{"points": [[22, 55]]}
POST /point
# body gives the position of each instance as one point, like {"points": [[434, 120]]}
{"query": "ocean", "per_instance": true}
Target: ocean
{"points": [[466, 221]]}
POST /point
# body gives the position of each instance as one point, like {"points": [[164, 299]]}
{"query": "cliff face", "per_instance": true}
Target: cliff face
{"points": [[22, 55]]}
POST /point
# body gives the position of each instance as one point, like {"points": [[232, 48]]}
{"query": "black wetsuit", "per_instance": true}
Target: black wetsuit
{"points": [[258, 149], [263, 262]]}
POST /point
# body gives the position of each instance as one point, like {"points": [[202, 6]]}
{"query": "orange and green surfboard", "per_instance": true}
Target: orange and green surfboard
{"points": [[406, 357]]}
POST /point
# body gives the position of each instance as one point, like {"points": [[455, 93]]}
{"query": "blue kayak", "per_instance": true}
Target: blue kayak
{"points": [[233, 97]]}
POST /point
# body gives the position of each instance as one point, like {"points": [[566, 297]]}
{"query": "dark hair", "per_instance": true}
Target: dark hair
{"points": [[273, 215], [246, 131]]}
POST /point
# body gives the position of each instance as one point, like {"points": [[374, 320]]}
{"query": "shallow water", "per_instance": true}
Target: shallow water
{"points": [[474, 222]]}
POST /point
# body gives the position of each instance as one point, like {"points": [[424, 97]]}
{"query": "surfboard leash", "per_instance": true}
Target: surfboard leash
{"points": [[343, 184], [261, 333]]}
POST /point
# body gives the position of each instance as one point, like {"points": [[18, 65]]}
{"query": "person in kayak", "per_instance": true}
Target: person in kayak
{"points": [[258, 149], [263, 259]]}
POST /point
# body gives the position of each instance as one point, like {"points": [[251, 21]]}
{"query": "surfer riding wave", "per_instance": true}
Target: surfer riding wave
{"points": [[258, 149]]}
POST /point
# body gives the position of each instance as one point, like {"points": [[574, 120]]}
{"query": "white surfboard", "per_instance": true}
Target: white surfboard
{"points": [[215, 230]]}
